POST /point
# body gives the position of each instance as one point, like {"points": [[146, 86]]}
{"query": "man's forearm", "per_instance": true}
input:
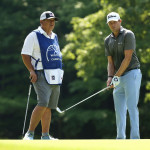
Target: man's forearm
{"points": [[27, 61], [110, 69], [125, 63]]}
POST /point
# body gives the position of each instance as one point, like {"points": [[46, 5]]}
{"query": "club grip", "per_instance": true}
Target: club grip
{"points": [[30, 89]]}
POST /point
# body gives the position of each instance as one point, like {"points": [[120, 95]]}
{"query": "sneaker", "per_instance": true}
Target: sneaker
{"points": [[28, 136], [48, 137]]}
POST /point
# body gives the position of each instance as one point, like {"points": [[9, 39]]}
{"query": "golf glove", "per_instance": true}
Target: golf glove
{"points": [[115, 81]]}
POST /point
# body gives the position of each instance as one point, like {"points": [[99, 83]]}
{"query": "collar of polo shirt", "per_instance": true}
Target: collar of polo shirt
{"points": [[45, 34]]}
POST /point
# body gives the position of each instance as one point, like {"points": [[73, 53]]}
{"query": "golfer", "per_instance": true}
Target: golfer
{"points": [[124, 75], [43, 59]]}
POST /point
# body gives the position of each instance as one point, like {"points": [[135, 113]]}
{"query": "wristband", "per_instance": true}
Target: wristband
{"points": [[110, 76]]}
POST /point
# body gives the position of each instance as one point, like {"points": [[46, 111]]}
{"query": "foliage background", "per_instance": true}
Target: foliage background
{"points": [[81, 30]]}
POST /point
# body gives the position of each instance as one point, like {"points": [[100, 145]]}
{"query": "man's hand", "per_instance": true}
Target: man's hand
{"points": [[33, 76], [109, 80], [115, 81], [27, 62]]}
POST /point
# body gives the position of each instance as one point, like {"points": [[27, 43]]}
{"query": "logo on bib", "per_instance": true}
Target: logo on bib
{"points": [[53, 77], [52, 51]]}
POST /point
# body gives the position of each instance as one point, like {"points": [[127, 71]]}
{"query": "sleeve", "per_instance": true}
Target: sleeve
{"points": [[129, 41], [28, 45], [107, 53]]}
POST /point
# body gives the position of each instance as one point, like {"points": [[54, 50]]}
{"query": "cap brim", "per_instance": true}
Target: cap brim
{"points": [[112, 19], [56, 19]]}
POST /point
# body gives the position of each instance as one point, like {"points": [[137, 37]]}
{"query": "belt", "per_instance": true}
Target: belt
{"points": [[39, 70], [134, 68], [130, 70]]}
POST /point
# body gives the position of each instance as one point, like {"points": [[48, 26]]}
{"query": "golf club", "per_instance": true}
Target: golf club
{"points": [[27, 107], [58, 110]]}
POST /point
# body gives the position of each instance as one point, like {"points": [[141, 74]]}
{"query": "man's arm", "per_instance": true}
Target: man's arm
{"points": [[130, 44], [27, 61], [125, 63], [110, 69]]}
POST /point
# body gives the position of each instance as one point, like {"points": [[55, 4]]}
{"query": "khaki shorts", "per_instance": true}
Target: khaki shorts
{"points": [[47, 95]]}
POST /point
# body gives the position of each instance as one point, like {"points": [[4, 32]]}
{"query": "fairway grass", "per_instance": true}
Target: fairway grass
{"points": [[75, 145]]}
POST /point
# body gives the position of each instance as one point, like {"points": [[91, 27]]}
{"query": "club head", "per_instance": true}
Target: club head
{"points": [[58, 110]]}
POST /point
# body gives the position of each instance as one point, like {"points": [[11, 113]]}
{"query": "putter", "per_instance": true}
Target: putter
{"points": [[27, 108], [59, 111]]}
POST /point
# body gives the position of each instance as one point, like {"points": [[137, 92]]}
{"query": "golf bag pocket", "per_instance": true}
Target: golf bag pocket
{"points": [[54, 76]]}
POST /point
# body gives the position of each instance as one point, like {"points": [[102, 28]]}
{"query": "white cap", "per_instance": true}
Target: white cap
{"points": [[113, 16], [48, 15]]}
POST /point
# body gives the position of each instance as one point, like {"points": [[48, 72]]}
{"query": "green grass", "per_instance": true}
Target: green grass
{"points": [[75, 145]]}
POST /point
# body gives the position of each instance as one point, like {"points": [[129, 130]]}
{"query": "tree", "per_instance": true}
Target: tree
{"points": [[81, 31]]}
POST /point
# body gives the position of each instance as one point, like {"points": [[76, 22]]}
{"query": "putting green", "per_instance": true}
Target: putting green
{"points": [[75, 145]]}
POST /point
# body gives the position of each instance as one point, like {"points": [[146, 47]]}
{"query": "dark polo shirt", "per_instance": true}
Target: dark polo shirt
{"points": [[115, 47]]}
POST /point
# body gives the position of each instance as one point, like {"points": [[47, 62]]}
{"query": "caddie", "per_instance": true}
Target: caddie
{"points": [[43, 59]]}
